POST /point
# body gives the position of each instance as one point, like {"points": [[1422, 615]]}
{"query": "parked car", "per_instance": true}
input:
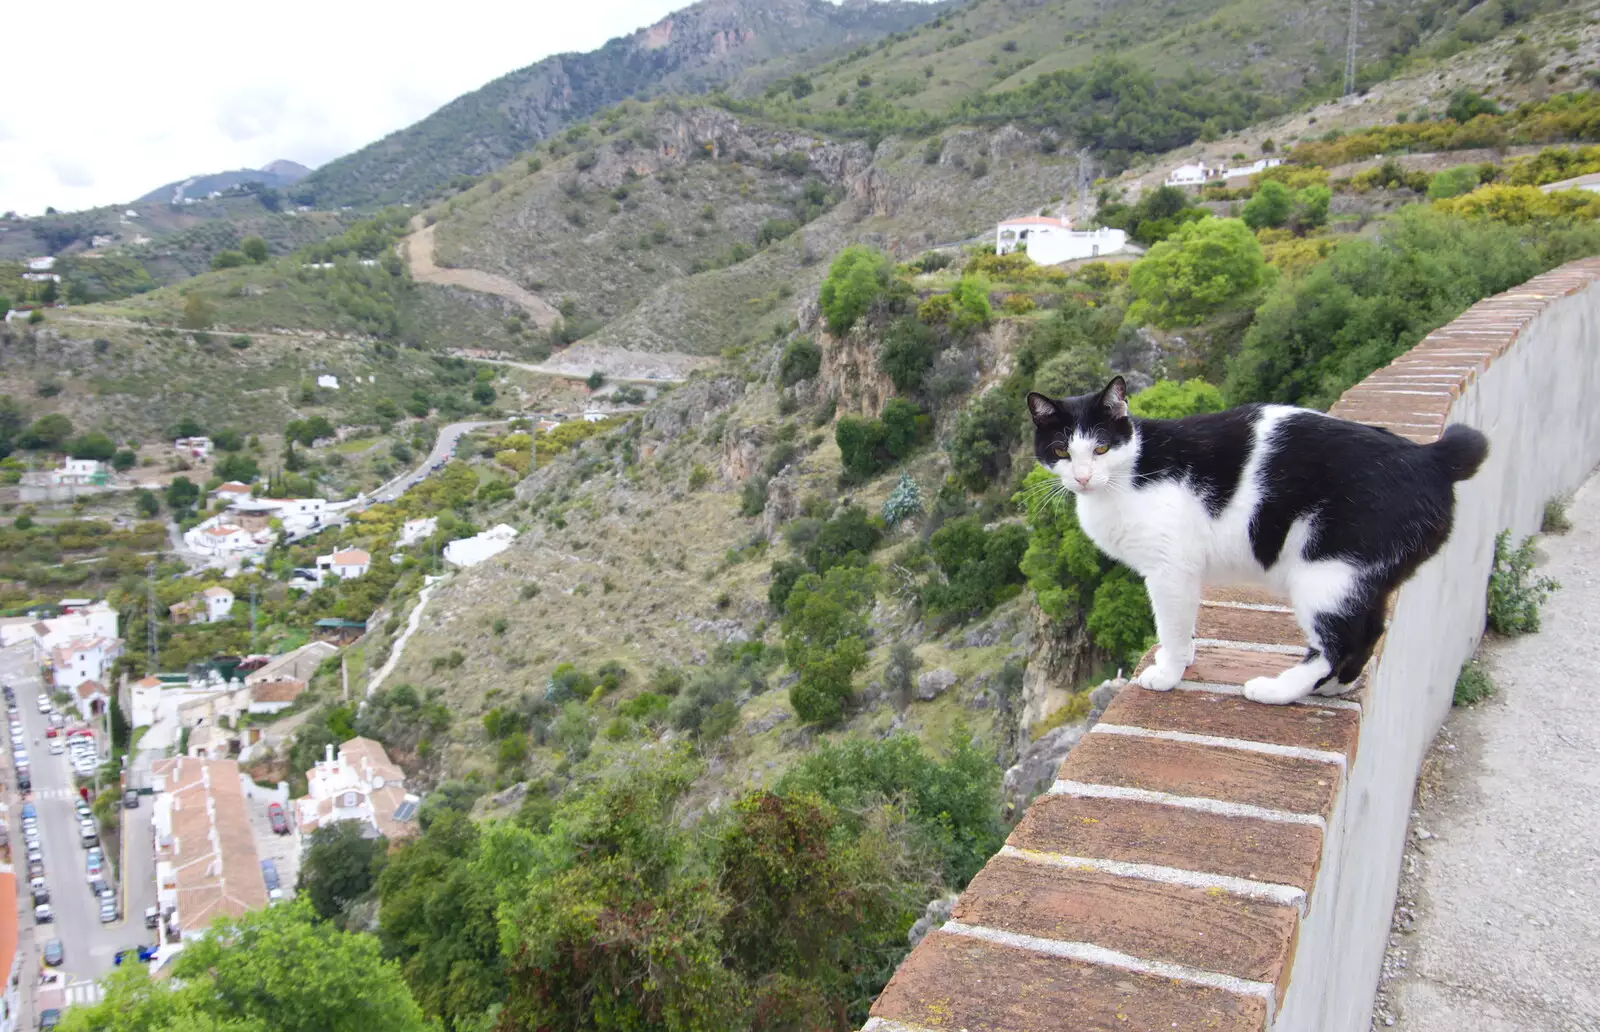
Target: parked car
{"points": [[144, 953], [24, 781], [94, 866], [29, 810], [84, 810], [51, 731], [42, 914], [152, 917], [108, 912], [35, 869], [55, 748], [275, 814], [130, 799], [44, 703], [52, 953]]}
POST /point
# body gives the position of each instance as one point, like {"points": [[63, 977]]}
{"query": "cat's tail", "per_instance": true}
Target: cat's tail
{"points": [[1460, 451]]}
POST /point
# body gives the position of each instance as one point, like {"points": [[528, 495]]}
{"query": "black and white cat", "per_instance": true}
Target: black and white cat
{"points": [[1333, 514]]}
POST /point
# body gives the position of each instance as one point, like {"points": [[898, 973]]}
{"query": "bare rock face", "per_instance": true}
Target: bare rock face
{"points": [[690, 406], [935, 683], [741, 452], [850, 372], [1061, 657], [782, 505], [937, 914], [1036, 769]]}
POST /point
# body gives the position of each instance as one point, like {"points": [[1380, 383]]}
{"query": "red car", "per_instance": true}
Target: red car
{"points": [[50, 732], [280, 823]]}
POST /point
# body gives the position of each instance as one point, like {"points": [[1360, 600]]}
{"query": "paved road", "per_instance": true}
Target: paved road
{"points": [[89, 946], [443, 448], [1506, 856]]}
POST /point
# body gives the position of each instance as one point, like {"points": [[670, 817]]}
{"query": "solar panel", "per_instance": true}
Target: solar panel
{"points": [[405, 811]]}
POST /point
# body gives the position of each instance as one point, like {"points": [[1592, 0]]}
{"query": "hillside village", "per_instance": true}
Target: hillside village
{"points": [[595, 573]]}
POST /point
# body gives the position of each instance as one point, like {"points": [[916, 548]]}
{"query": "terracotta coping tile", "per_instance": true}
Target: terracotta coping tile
{"points": [[1286, 783], [1311, 726], [1169, 836], [1229, 623], [1198, 928], [955, 982], [1217, 665]]}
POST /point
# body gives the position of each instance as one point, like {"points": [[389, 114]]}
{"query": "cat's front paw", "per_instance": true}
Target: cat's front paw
{"points": [[1272, 691], [1159, 677]]}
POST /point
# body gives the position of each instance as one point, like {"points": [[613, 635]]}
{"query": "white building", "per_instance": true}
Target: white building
{"points": [[193, 447], [593, 415], [474, 550], [205, 851], [1195, 174], [44, 264], [79, 472], [1251, 169], [232, 491], [218, 602], [346, 564], [92, 700], [328, 381], [359, 784], [413, 531], [216, 538], [1051, 241], [82, 659]]}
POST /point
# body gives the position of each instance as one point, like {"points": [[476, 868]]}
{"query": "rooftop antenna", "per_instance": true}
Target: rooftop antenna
{"points": [[1350, 52], [151, 652]]}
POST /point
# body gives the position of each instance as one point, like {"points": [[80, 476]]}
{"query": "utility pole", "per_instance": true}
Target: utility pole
{"points": [[1350, 51], [152, 653]]}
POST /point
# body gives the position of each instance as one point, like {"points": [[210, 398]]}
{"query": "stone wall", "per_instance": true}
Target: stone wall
{"points": [[1205, 862]]}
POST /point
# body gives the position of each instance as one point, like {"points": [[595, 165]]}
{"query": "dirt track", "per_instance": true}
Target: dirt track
{"points": [[418, 249]]}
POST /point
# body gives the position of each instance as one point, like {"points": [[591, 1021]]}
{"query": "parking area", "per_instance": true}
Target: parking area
{"points": [[283, 850]]}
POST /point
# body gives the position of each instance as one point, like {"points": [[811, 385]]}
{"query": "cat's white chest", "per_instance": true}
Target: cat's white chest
{"points": [[1151, 528]]}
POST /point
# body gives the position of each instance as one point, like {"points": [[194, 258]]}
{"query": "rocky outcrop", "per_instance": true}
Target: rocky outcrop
{"points": [[1036, 769], [783, 504], [935, 683], [741, 452], [850, 372], [1061, 658], [690, 407]]}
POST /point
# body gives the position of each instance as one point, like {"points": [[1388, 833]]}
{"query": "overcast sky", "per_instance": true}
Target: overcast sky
{"points": [[106, 100]]}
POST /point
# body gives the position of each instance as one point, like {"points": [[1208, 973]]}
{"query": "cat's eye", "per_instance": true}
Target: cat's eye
{"points": [[1059, 451], [1102, 449]]}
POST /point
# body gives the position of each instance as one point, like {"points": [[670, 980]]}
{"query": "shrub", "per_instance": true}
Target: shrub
{"points": [[980, 567], [699, 476], [801, 361], [904, 502], [1169, 399], [753, 496], [1269, 207], [936, 310], [1207, 266], [1473, 684], [1555, 517], [1515, 596], [858, 276], [1453, 182], [824, 641], [906, 353], [970, 301], [869, 446]]}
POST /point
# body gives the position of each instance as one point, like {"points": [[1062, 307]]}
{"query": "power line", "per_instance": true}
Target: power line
{"points": [[1350, 51]]}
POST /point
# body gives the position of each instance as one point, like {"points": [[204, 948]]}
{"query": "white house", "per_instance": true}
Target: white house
{"points": [[205, 850], [1052, 241], [474, 550], [100, 240], [193, 447], [1195, 174], [80, 472], [220, 539], [44, 264], [1251, 169], [413, 531], [269, 697], [362, 784], [92, 699], [329, 381], [232, 491], [593, 415], [219, 601], [346, 564], [82, 659]]}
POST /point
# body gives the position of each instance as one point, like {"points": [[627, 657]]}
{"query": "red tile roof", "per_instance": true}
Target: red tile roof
{"points": [[1036, 220]]}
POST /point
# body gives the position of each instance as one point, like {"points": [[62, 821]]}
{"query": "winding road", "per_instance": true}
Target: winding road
{"points": [[418, 251]]}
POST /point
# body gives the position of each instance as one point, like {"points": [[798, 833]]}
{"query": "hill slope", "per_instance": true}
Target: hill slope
{"points": [[277, 174], [693, 49]]}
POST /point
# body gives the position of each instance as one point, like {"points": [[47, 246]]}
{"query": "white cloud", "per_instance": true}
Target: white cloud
{"points": [[147, 100]]}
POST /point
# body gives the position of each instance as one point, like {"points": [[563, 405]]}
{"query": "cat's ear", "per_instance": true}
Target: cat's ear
{"points": [[1115, 398], [1044, 411]]}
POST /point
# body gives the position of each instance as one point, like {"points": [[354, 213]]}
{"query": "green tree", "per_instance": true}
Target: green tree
{"points": [[596, 380], [1466, 105], [1207, 266], [1169, 399], [1453, 182], [824, 636], [241, 468], [92, 445], [255, 249], [906, 353], [182, 493], [801, 361], [187, 427], [277, 969], [1311, 207], [1270, 206], [985, 433], [47, 433], [437, 919], [124, 460], [979, 567], [146, 502], [227, 260], [970, 297], [858, 276], [198, 313], [340, 866], [1077, 370], [12, 421]]}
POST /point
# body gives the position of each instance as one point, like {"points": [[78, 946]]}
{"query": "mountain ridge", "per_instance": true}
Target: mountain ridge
{"points": [[276, 174], [689, 50]]}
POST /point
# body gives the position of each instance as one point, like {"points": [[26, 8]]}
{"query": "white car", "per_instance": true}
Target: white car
{"points": [[44, 703], [108, 911], [55, 748]]}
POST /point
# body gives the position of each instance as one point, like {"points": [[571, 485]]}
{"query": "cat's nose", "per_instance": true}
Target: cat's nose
{"points": [[1082, 479]]}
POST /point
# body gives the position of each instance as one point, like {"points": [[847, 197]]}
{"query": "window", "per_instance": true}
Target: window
{"points": [[350, 799]]}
